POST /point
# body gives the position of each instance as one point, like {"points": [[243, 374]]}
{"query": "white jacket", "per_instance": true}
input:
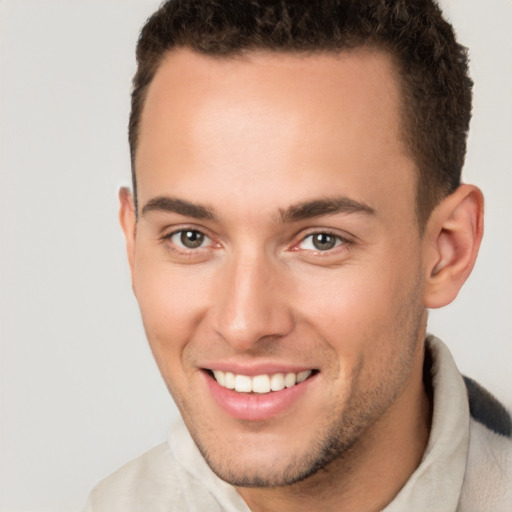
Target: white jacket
{"points": [[466, 467]]}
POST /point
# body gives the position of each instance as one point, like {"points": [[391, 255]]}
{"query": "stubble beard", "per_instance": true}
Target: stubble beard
{"points": [[334, 449]]}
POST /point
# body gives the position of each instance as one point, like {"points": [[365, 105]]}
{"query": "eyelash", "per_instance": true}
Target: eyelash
{"points": [[341, 242], [167, 238]]}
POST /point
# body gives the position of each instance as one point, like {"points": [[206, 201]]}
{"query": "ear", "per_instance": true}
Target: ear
{"points": [[453, 235], [127, 218]]}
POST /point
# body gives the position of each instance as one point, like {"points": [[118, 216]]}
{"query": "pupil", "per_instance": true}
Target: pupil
{"points": [[323, 241], [192, 239]]}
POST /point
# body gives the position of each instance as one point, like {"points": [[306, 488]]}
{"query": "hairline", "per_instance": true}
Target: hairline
{"points": [[404, 116]]}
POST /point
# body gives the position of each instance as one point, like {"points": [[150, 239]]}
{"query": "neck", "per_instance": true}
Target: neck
{"points": [[372, 472]]}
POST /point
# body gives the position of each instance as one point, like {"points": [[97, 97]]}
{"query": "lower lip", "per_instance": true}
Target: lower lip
{"points": [[253, 406]]}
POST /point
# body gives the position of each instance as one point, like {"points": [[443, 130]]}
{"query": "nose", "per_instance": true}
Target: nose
{"points": [[252, 306]]}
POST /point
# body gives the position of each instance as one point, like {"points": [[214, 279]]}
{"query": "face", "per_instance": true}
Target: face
{"points": [[277, 252]]}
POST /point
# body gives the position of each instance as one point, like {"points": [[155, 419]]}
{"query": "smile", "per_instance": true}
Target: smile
{"points": [[259, 396], [260, 384]]}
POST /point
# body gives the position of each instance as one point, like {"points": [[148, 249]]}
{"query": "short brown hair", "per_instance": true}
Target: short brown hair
{"points": [[432, 66]]}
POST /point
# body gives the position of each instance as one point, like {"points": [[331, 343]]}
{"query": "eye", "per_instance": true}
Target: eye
{"points": [[321, 242], [189, 239]]}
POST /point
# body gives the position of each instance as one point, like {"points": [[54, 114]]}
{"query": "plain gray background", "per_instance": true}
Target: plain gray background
{"points": [[80, 394]]}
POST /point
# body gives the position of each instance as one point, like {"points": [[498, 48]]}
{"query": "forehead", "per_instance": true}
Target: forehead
{"points": [[274, 118]]}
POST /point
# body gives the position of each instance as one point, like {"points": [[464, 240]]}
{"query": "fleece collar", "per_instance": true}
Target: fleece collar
{"points": [[437, 482]]}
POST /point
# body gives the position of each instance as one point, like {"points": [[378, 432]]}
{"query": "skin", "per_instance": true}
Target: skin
{"points": [[247, 140]]}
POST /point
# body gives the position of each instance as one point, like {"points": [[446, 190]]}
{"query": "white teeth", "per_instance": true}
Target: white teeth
{"points": [[290, 380], [277, 382], [219, 377], [260, 383], [229, 380], [302, 376], [243, 384]]}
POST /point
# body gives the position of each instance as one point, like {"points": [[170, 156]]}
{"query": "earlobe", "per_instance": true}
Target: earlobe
{"points": [[453, 237], [127, 218]]}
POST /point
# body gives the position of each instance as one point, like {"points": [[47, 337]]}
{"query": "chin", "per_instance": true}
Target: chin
{"points": [[277, 466]]}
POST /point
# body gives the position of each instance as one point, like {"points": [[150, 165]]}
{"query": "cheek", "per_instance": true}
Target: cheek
{"points": [[357, 309], [347, 300], [172, 302]]}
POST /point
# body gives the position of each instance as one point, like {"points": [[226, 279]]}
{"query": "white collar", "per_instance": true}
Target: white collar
{"points": [[437, 482]]}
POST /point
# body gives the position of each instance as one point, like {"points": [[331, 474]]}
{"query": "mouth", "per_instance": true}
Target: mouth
{"points": [[260, 396], [260, 384]]}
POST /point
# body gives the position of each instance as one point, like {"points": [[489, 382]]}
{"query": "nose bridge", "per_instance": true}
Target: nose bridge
{"points": [[253, 305]]}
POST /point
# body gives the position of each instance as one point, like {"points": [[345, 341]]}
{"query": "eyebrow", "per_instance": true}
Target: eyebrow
{"points": [[179, 206], [300, 211], [324, 206]]}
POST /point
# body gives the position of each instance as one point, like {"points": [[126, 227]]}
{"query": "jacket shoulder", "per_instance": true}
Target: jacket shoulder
{"points": [[487, 410], [149, 482], [487, 483]]}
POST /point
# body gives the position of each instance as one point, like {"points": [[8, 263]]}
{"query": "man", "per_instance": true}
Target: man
{"points": [[296, 209]]}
